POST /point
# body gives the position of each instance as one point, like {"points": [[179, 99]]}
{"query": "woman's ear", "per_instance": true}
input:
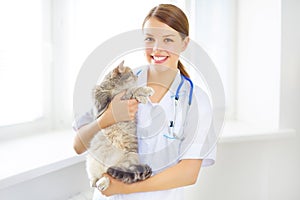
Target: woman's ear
{"points": [[185, 43]]}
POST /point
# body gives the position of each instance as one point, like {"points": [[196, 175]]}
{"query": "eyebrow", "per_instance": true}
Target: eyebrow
{"points": [[148, 34], [169, 35]]}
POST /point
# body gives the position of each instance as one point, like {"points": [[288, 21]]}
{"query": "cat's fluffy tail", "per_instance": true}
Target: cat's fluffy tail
{"points": [[133, 174]]}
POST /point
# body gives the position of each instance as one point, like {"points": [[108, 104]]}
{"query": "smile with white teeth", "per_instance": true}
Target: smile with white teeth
{"points": [[159, 58]]}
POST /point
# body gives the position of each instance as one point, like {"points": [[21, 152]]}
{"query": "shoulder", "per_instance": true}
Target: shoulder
{"points": [[201, 95], [201, 101]]}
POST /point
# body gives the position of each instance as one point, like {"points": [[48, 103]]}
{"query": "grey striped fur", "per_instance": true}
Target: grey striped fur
{"points": [[114, 150]]}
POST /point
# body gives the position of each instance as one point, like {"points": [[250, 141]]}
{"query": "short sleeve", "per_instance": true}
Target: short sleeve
{"points": [[82, 120], [200, 141]]}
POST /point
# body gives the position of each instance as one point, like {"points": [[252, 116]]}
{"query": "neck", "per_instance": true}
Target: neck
{"points": [[161, 75]]}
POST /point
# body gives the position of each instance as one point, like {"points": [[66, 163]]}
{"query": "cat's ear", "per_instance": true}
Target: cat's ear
{"points": [[118, 70], [121, 67]]}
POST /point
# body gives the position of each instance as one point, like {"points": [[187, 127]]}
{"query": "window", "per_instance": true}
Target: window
{"points": [[22, 62], [258, 61], [214, 23], [243, 39], [21, 48]]}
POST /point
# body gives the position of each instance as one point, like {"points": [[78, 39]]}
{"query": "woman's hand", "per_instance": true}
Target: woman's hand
{"points": [[123, 110], [118, 111], [115, 187], [170, 178]]}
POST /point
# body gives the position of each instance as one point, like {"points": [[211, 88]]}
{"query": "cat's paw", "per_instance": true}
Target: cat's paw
{"points": [[148, 91], [103, 183], [143, 94], [142, 99], [133, 174]]}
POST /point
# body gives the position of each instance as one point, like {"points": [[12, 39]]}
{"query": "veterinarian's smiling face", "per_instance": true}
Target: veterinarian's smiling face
{"points": [[163, 44]]}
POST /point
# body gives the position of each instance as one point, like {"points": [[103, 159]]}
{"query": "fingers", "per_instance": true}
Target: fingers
{"points": [[115, 187], [132, 108], [123, 110], [106, 192]]}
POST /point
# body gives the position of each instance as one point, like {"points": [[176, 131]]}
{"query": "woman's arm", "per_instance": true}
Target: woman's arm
{"points": [[182, 174], [87, 132], [118, 110]]}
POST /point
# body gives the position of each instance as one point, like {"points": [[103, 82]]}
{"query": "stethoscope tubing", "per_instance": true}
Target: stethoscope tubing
{"points": [[172, 134]]}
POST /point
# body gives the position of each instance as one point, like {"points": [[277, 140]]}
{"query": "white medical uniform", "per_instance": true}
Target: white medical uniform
{"points": [[158, 146]]}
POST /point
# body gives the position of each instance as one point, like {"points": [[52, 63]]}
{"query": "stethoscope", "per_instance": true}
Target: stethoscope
{"points": [[171, 128]]}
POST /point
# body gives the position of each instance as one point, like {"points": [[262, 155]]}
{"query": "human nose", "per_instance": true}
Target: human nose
{"points": [[157, 46]]}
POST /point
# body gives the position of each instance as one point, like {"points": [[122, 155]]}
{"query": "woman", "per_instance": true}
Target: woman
{"points": [[176, 159]]}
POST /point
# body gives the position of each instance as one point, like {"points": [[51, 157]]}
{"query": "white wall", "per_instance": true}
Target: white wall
{"points": [[252, 170]]}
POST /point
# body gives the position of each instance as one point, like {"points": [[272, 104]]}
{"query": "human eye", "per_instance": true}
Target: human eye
{"points": [[149, 39], [167, 40]]}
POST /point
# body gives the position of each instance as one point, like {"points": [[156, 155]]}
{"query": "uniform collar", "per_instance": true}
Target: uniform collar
{"points": [[142, 79]]}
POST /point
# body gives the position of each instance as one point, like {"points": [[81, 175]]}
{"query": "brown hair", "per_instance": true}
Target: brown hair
{"points": [[176, 19]]}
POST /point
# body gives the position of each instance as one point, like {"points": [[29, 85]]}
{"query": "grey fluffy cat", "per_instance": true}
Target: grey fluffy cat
{"points": [[114, 150]]}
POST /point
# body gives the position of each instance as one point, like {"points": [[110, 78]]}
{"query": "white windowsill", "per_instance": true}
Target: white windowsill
{"points": [[30, 157], [27, 158], [236, 131]]}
